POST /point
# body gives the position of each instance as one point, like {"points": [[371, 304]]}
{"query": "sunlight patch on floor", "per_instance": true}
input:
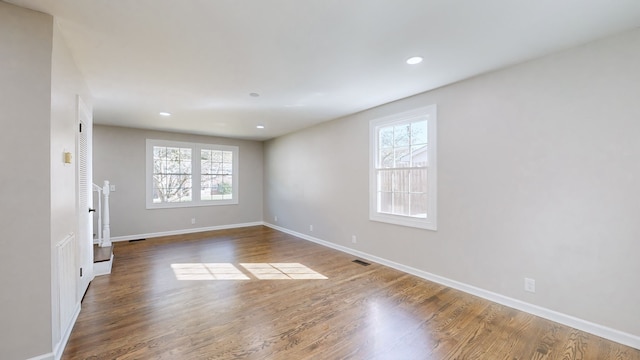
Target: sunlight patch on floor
{"points": [[204, 271], [282, 271], [261, 271]]}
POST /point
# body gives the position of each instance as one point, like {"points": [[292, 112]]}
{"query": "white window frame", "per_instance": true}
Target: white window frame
{"points": [[195, 169], [430, 222]]}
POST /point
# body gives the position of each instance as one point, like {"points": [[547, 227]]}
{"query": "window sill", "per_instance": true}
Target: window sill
{"points": [[427, 224], [189, 204]]}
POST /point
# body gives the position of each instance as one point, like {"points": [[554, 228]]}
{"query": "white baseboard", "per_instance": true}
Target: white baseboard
{"points": [[568, 320], [103, 267], [184, 231], [48, 356], [59, 348]]}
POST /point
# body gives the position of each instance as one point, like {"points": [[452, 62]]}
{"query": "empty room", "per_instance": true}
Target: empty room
{"points": [[320, 179]]}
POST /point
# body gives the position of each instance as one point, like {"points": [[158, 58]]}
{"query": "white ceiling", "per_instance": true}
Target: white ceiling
{"points": [[310, 60]]}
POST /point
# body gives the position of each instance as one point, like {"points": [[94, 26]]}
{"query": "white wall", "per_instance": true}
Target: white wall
{"points": [[119, 156], [38, 85], [66, 83], [538, 177], [25, 240]]}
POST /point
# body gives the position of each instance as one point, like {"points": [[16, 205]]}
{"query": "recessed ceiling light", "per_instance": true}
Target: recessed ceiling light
{"points": [[260, 126], [414, 60], [164, 113], [254, 94]]}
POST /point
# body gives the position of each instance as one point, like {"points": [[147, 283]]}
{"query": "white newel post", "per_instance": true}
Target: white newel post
{"points": [[106, 230]]}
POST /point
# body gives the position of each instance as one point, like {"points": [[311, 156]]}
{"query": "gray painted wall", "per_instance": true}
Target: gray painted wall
{"points": [[538, 177], [119, 156], [25, 239]]}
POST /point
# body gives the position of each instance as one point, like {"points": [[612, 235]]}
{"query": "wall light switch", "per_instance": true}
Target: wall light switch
{"points": [[67, 157]]}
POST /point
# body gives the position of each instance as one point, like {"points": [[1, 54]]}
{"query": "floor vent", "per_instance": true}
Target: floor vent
{"points": [[136, 240], [360, 262]]}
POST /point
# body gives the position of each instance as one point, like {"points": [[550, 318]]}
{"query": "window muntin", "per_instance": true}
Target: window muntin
{"points": [[403, 172], [181, 174]]}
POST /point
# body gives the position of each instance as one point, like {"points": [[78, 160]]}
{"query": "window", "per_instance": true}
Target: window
{"points": [[216, 174], [403, 169], [183, 174]]}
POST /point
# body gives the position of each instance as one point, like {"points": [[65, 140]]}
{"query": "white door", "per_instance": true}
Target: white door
{"points": [[85, 198]]}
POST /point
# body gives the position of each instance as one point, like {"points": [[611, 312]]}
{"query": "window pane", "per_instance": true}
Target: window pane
{"points": [[401, 204], [206, 181], [401, 135], [401, 181], [158, 182], [171, 188], [418, 205], [419, 155], [157, 197], [216, 156], [418, 181], [173, 153], [385, 201], [185, 155], [386, 158], [206, 187], [159, 166], [205, 167], [385, 137], [205, 162], [225, 186], [227, 156], [419, 132], [214, 187], [181, 194], [171, 167], [385, 180], [176, 181], [171, 160], [159, 152], [185, 167], [402, 156], [185, 161]]}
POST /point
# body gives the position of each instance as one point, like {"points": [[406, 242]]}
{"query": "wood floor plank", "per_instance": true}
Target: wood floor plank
{"points": [[143, 310]]}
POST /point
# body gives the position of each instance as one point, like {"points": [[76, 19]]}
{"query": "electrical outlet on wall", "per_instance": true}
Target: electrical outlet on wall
{"points": [[354, 239], [529, 285], [193, 220], [275, 218], [310, 227]]}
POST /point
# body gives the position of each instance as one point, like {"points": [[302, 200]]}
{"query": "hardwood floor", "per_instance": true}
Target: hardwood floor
{"points": [[215, 296]]}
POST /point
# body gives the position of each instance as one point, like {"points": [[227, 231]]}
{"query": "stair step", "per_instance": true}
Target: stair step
{"points": [[101, 254]]}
